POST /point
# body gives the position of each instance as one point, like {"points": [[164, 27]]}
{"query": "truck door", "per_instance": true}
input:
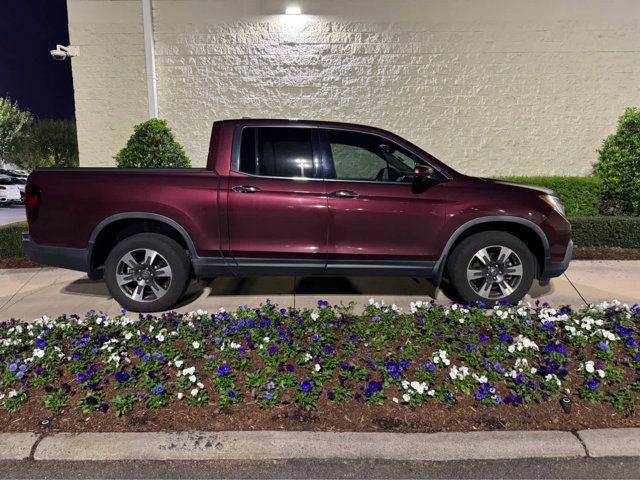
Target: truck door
{"points": [[277, 204]]}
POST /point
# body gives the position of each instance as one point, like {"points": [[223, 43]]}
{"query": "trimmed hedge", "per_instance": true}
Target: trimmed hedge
{"points": [[582, 196], [11, 240], [606, 231]]}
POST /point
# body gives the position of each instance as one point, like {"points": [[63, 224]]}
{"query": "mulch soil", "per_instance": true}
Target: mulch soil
{"points": [[355, 416], [18, 262]]}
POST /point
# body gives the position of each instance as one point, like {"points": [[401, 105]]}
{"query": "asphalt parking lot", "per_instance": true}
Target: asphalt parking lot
{"points": [[12, 214]]}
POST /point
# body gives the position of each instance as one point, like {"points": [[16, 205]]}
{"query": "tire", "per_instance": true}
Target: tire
{"points": [[147, 272], [491, 267]]}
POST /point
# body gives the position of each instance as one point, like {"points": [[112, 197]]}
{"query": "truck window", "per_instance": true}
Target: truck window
{"points": [[366, 157], [277, 152]]}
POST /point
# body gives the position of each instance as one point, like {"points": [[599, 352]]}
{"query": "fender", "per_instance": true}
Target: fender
{"points": [[141, 216], [438, 269]]}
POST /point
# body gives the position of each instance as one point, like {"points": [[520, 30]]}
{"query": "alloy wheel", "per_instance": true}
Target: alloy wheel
{"points": [[143, 275], [494, 272]]}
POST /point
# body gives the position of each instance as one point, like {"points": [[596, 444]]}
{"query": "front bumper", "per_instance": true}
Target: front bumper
{"points": [[555, 269], [63, 257]]}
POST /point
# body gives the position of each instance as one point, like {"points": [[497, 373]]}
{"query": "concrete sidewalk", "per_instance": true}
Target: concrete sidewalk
{"points": [[30, 293], [280, 445]]}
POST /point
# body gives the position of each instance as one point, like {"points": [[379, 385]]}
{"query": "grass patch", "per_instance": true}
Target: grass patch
{"points": [[11, 240]]}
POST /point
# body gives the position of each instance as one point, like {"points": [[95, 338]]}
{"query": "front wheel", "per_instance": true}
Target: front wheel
{"points": [[147, 272], [491, 267]]}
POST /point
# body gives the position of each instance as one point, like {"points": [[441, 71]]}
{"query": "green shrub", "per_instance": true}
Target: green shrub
{"points": [[152, 145], [581, 196], [11, 240], [606, 231], [618, 166]]}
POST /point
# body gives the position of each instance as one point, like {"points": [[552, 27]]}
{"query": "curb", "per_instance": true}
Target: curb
{"points": [[278, 445]]}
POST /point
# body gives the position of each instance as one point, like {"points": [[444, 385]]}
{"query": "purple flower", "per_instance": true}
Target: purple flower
{"points": [[103, 407], [13, 367], [431, 367], [91, 400], [20, 374], [158, 389], [306, 386], [121, 377], [268, 395], [479, 396], [603, 346], [40, 343], [224, 370], [231, 394], [331, 395], [376, 319]]}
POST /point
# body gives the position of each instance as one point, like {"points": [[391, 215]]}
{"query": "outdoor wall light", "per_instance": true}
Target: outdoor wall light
{"points": [[293, 10]]}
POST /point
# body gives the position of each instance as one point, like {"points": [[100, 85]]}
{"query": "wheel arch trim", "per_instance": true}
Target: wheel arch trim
{"points": [[140, 216]]}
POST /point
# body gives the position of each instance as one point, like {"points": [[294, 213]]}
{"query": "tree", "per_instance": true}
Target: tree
{"points": [[14, 124], [152, 145], [618, 166], [48, 143]]}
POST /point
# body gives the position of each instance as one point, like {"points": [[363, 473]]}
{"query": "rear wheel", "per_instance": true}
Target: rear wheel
{"points": [[147, 272], [492, 267]]}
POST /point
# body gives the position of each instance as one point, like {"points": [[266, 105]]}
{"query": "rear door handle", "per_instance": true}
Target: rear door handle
{"points": [[246, 189], [344, 194]]}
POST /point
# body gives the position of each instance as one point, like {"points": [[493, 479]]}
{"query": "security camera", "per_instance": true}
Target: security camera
{"points": [[61, 52]]}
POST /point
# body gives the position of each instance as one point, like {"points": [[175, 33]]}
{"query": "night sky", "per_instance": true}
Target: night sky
{"points": [[28, 73]]}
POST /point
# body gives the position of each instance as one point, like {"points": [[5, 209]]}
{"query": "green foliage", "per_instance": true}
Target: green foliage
{"points": [[582, 196], [618, 166], [606, 231], [124, 403], [56, 400], [14, 124], [11, 240], [152, 145], [48, 143]]}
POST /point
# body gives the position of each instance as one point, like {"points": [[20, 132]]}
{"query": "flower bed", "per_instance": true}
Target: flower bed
{"points": [[276, 367]]}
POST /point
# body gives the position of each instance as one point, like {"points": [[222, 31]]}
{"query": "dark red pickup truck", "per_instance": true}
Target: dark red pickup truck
{"points": [[296, 198]]}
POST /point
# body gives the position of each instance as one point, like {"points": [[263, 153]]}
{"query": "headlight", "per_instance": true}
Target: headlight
{"points": [[554, 202]]}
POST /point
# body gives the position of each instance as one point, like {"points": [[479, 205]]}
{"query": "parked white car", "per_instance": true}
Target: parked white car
{"points": [[9, 191]]}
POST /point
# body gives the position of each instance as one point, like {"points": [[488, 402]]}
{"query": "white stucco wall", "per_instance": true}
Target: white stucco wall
{"points": [[489, 86]]}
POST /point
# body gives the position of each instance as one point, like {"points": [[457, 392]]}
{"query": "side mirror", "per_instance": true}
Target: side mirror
{"points": [[423, 174]]}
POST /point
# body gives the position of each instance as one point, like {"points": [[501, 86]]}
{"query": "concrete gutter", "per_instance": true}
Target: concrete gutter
{"points": [[277, 445]]}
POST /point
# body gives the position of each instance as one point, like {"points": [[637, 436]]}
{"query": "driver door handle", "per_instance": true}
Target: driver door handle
{"points": [[246, 189], [345, 194]]}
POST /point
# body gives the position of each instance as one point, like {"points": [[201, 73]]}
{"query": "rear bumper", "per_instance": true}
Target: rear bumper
{"points": [[63, 257], [555, 269]]}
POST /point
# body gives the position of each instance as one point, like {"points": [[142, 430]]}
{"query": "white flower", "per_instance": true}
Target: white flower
{"points": [[192, 378], [180, 395], [406, 397], [128, 335], [601, 373], [194, 392], [307, 357], [12, 393], [589, 366], [189, 371], [395, 399], [195, 345], [317, 367], [38, 352], [159, 337], [315, 316], [179, 363]]}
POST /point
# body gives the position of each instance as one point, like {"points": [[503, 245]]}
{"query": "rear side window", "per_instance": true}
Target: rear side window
{"points": [[277, 152]]}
